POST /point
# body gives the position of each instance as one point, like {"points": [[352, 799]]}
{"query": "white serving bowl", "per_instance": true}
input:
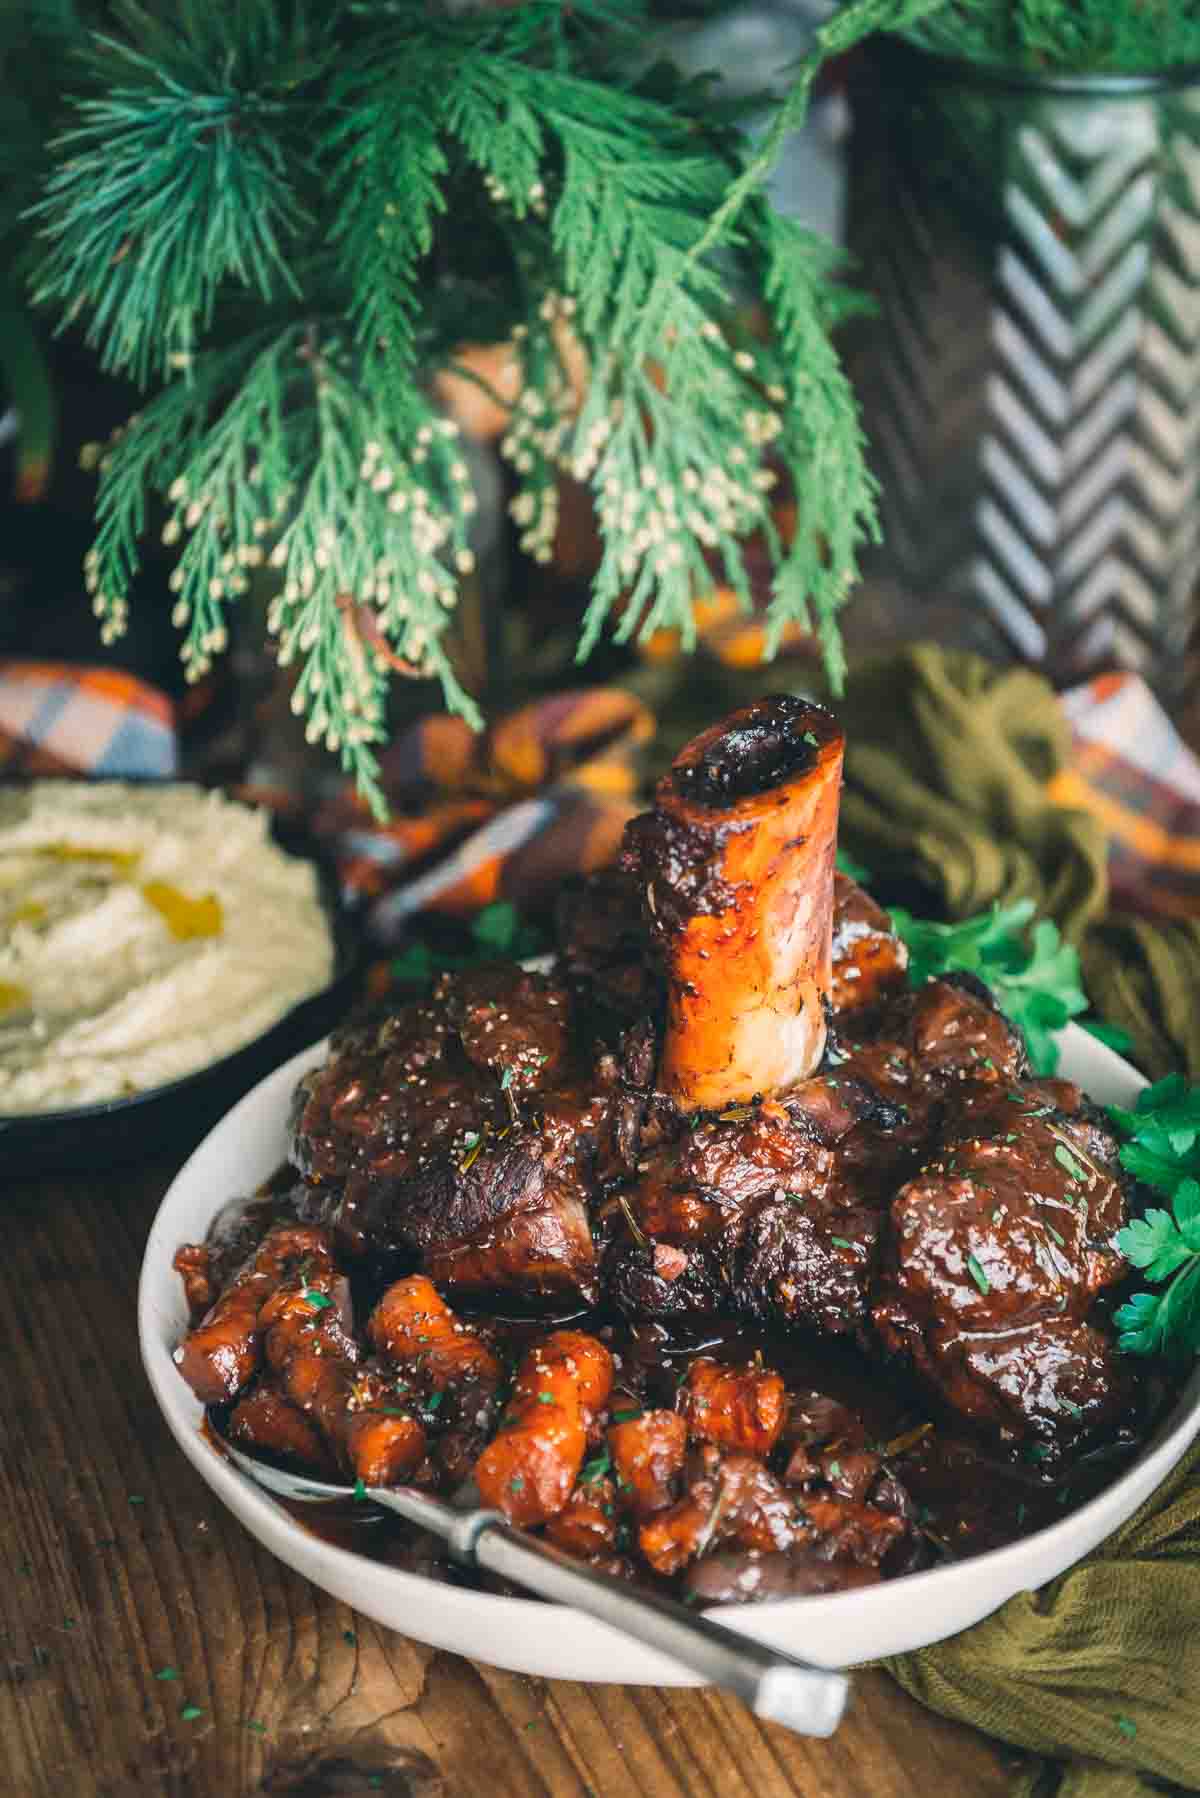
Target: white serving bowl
{"points": [[528, 1636]]}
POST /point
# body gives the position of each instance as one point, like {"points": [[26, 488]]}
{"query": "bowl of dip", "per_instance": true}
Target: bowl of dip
{"points": [[159, 951]]}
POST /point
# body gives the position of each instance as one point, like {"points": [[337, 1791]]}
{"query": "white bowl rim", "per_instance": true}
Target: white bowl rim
{"points": [[312, 1554]]}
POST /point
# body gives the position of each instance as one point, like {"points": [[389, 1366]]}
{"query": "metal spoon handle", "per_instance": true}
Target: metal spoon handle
{"points": [[809, 1700]]}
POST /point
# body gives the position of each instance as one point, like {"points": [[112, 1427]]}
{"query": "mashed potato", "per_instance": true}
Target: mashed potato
{"points": [[144, 933]]}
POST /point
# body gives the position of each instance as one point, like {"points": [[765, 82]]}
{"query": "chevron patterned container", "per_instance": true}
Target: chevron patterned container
{"points": [[1031, 387]]}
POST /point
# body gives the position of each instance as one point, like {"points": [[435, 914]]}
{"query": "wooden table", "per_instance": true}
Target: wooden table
{"points": [[149, 1646]]}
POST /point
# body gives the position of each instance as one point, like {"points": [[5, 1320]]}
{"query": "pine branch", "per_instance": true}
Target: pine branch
{"points": [[401, 182]]}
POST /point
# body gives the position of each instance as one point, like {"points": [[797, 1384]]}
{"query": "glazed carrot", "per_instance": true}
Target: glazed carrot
{"points": [[588, 1524], [265, 1420], [219, 1356], [358, 1415], [737, 1498], [413, 1324], [741, 1408], [530, 1467], [647, 1453]]}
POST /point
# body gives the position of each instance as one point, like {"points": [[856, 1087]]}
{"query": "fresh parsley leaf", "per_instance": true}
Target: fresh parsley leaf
{"points": [[167, 1673], [189, 1713], [1163, 1151], [1036, 980], [1167, 1118], [319, 1301], [501, 930], [434, 1400], [1155, 1243], [596, 1469], [498, 930], [360, 1488], [975, 1269], [1127, 1726], [840, 1242]]}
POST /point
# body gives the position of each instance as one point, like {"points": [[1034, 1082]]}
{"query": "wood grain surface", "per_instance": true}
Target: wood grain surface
{"points": [[149, 1646]]}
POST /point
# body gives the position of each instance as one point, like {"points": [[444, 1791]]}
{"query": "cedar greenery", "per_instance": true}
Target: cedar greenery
{"points": [[282, 217]]}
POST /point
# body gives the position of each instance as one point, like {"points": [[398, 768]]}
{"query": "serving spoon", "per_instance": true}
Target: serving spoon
{"points": [[807, 1699]]}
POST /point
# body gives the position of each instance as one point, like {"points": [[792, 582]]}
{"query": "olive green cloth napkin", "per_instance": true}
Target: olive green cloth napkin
{"points": [[1102, 1665], [947, 764], [948, 760]]}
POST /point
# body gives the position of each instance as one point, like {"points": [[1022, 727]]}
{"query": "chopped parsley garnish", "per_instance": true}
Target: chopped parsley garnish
{"points": [[625, 1416], [516, 1484], [1068, 1163], [434, 1400], [975, 1269], [545, 1398], [319, 1301], [136, 1498], [360, 1488], [257, 1728], [834, 1469], [1021, 1511], [506, 1079], [1069, 1405], [1127, 1726], [841, 1242], [189, 1713], [810, 739], [597, 1468], [167, 1673], [1037, 1451], [349, 1638], [1051, 1231]]}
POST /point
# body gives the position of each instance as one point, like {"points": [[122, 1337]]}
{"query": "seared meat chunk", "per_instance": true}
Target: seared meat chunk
{"points": [[809, 1260], [748, 1576], [1053, 1383], [998, 1249], [997, 1230], [501, 1219], [776, 1207], [372, 1090], [511, 1023], [604, 944], [956, 1032], [869, 959]]}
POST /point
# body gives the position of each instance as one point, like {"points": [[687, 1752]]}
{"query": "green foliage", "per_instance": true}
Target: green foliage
{"points": [[1076, 36], [1034, 976], [282, 218], [498, 933], [1162, 1148]]}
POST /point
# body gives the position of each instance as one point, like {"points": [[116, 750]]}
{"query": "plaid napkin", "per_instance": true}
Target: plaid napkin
{"points": [[547, 790], [56, 718], [543, 794]]}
